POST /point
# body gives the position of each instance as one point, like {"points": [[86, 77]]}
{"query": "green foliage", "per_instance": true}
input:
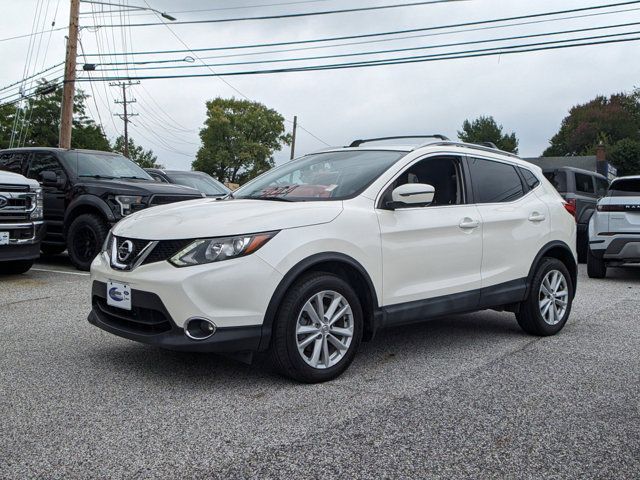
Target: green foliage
{"points": [[607, 120], [625, 155], [485, 129], [144, 158], [239, 139], [39, 120]]}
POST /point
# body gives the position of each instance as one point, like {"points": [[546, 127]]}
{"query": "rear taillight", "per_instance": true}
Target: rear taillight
{"points": [[570, 207], [611, 208]]}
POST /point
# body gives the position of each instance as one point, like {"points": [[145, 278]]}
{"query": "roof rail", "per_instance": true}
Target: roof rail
{"points": [[475, 146], [357, 143]]}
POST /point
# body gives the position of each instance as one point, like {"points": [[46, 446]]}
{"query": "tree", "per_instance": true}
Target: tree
{"points": [[606, 120], [625, 155], [39, 121], [239, 139], [144, 158], [485, 129]]}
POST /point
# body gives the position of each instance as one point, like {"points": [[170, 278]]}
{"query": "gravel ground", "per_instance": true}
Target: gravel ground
{"points": [[469, 396]]}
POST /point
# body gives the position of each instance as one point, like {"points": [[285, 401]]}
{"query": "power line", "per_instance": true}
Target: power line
{"points": [[288, 15], [32, 76], [401, 32], [495, 51], [374, 52]]}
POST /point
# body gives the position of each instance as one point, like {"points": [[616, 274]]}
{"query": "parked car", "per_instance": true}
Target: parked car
{"points": [[85, 193], [320, 253], [21, 224], [614, 230], [582, 189], [199, 180]]}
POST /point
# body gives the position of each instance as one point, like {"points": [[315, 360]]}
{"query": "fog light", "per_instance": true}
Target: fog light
{"points": [[199, 328]]}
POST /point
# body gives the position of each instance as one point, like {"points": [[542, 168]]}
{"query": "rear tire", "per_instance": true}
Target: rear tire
{"points": [[52, 249], [548, 305], [315, 347], [85, 238], [16, 267], [596, 267]]}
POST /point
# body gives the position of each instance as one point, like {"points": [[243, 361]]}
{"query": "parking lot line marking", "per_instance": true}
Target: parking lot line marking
{"points": [[59, 271]]}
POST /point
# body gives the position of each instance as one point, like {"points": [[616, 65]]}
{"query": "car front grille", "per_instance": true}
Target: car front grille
{"points": [[161, 251], [165, 249], [166, 199]]}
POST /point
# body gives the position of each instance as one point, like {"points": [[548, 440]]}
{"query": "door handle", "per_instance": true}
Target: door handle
{"points": [[468, 223], [536, 217]]}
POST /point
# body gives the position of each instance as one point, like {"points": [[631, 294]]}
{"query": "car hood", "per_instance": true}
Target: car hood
{"points": [[219, 218], [10, 178], [138, 187]]}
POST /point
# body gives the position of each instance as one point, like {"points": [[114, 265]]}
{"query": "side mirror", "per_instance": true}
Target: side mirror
{"points": [[51, 179], [412, 195]]}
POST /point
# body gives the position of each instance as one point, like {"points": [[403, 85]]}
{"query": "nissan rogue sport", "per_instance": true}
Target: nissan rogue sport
{"points": [[319, 254]]}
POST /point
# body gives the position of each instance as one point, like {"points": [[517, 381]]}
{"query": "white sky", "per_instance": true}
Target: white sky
{"points": [[527, 93]]}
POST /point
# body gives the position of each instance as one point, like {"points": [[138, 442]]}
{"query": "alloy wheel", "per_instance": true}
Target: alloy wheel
{"points": [[553, 297], [324, 329]]}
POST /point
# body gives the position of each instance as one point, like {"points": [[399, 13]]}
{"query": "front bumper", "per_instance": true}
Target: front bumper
{"points": [[617, 249], [149, 322], [24, 240]]}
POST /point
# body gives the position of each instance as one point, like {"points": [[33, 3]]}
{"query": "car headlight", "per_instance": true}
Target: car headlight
{"points": [[37, 212], [208, 250], [129, 203]]}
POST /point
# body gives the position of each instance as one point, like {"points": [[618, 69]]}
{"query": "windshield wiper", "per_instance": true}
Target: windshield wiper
{"points": [[133, 176], [85, 175], [274, 199]]}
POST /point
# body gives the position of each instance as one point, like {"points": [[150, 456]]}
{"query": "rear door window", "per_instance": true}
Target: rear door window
{"points": [[628, 187], [558, 179], [584, 184], [13, 161], [494, 182]]}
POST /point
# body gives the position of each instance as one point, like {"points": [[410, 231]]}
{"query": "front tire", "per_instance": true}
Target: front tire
{"points": [[596, 268], [16, 267], [318, 329], [85, 238], [548, 306]]}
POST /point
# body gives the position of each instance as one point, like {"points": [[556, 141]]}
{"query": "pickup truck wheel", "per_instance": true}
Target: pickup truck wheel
{"points": [[85, 238], [596, 268], [548, 306], [52, 249], [16, 267], [318, 329]]}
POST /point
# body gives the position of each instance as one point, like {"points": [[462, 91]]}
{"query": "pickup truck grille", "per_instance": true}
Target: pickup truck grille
{"points": [[16, 202], [165, 199]]}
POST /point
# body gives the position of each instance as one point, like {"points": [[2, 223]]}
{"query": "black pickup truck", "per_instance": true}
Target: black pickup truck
{"points": [[85, 193]]}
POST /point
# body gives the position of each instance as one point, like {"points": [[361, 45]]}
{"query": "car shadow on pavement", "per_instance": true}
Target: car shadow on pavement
{"points": [[439, 338]]}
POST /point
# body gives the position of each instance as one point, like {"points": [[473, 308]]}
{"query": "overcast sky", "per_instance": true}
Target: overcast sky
{"points": [[527, 93]]}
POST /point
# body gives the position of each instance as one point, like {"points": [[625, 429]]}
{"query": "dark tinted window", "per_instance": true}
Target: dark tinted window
{"points": [[601, 187], [12, 161], [42, 162], [626, 187], [529, 178], [494, 182], [558, 179], [584, 183]]}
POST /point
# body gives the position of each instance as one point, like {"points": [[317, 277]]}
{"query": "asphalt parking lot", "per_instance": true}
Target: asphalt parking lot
{"points": [[469, 396]]}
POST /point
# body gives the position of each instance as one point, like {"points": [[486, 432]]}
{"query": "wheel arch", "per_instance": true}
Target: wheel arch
{"points": [[560, 250], [330, 262], [87, 204]]}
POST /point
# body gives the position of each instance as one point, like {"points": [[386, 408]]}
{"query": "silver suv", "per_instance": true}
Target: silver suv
{"points": [[614, 229]]}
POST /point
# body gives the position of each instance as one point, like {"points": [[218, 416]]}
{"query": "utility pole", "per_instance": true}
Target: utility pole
{"points": [[293, 137], [68, 90], [125, 115]]}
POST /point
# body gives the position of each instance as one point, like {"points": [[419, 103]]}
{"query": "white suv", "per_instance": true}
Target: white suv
{"points": [[614, 229], [320, 253]]}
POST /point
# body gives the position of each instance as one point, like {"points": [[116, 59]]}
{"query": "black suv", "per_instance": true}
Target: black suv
{"points": [[582, 189], [85, 192]]}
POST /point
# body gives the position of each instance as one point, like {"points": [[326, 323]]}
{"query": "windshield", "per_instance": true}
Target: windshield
{"points": [[626, 187], [98, 165], [200, 181], [322, 176]]}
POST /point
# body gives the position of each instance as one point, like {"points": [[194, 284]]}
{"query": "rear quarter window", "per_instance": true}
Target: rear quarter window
{"points": [[558, 179]]}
